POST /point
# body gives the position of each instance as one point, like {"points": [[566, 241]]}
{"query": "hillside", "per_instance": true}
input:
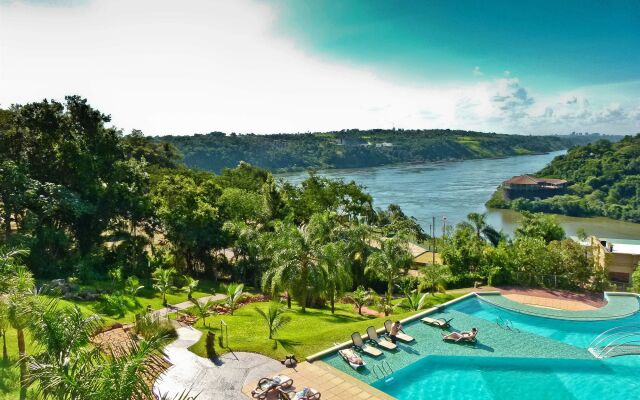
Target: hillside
{"points": [[603, 177], [357, 149]]}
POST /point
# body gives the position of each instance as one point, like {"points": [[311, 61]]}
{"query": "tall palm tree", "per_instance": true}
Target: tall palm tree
{"points": [[19, 297], [483, 230], [4, 326], [390, 263], [295, 253], [163, 281], [333, 260]]}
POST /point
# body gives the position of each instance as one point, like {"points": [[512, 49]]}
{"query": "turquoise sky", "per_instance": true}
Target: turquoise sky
{"points": [[270, 66], [552, 44]]}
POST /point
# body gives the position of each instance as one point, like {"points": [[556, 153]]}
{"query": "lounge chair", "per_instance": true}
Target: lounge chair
{"points": [[350, 357], [266, 385], [304, 394], [360, 344], [373, 337], [437, 322], [401, 336], [457, 337]]}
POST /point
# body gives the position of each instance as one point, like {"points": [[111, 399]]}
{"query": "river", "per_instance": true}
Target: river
{"points": [[451, 190]]}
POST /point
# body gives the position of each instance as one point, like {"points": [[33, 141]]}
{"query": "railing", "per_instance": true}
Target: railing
{"points": [[616, 342], [224, 333], [384, 368], [506, 324]]}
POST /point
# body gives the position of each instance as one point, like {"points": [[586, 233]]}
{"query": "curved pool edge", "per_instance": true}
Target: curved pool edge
{"points": [[616, 307]]}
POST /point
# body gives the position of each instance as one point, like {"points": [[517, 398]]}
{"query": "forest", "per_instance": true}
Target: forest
{"points": [[358, 148], [603, 177]]}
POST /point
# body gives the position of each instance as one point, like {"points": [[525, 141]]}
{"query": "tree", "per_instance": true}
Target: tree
{"points": [[337, 275], [360, 297], [190, 285], [69, 367], [163, 282], [541, 226], [204, 309], [463, 250], [17, 296], [132, 286], [483, 229], [390, 263], [295, 258], [234, 293], [5, 323], [274, 317], [635, 279], [434, 277]]}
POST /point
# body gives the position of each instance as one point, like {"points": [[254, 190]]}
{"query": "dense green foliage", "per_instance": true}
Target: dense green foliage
{"points": [[604, 180], [357, 149], [539, 255]]}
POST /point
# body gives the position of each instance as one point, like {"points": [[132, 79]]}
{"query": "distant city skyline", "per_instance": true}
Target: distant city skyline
{"points": [[257, 66]]}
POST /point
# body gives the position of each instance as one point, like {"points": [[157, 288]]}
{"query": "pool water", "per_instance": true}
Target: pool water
{"points": [[442, 377], [547, 359]]}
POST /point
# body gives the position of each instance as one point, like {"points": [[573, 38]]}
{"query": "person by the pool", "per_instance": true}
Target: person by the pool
{"points": [[462, 335], [395, 328]]}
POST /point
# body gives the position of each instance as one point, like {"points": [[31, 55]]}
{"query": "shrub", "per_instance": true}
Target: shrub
{"points": [[149, 326], [115, 304]]}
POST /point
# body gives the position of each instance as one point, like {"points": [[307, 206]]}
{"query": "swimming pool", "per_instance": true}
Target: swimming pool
{"points": [[543, 358]]}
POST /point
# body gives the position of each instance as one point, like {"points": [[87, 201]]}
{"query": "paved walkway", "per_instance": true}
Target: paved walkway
{"points": [[163, 312], [220, 379]]}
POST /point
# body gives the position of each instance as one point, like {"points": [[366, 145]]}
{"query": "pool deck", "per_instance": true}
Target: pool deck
{"points": [[333, 384]]}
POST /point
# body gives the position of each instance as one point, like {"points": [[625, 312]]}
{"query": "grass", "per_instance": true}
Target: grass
{"points": [[306, 334]]}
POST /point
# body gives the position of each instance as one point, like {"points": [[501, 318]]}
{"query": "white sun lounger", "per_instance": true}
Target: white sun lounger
{"points": [[359, 343], [373, 336]]}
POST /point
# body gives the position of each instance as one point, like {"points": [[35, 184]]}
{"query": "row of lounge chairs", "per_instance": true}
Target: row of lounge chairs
{"points": [[282, 386]]}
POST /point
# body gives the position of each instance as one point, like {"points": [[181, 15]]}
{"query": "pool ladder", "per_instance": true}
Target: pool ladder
{"points": [[506, 324], [616, 342], [383, 368]]}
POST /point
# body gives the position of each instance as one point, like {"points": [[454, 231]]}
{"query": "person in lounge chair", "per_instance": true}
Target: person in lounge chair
{"points": [[462, 336]]}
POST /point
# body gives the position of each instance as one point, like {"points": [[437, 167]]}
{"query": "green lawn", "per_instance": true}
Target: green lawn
{"points": [[306, 334]]}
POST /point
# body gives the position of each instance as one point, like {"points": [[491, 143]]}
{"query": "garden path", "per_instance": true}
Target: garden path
{"points": [[222, 378], [163, 312]]}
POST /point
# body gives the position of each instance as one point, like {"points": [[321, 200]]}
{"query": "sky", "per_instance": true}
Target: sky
{"points": [[258, 66]]}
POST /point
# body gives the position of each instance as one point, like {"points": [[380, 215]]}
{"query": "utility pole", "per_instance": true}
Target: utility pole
{"points": [[433, 236], [444, 226]]}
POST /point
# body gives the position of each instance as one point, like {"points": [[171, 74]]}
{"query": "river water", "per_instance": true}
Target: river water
{"points": [[451, 190]]}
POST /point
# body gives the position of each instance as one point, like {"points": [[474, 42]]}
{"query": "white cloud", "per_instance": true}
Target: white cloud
{"points": [[180, 68], [476, 71]]}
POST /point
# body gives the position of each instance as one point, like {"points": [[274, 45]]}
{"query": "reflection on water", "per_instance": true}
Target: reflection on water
{"points": [[454, 189]]}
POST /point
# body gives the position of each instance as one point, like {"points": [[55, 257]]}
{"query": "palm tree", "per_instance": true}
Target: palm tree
{"points": [[234, 294], [190, 285], [4, 326], [360, 297], [163, 281], [337, 274], [274, 317], [204, 309], [434, 277], [69, 367], [295, 254], [19, 297], [483, 230], [390, 263]]}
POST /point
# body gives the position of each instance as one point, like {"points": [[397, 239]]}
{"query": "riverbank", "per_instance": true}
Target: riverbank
{"points": [[452, 190]]}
